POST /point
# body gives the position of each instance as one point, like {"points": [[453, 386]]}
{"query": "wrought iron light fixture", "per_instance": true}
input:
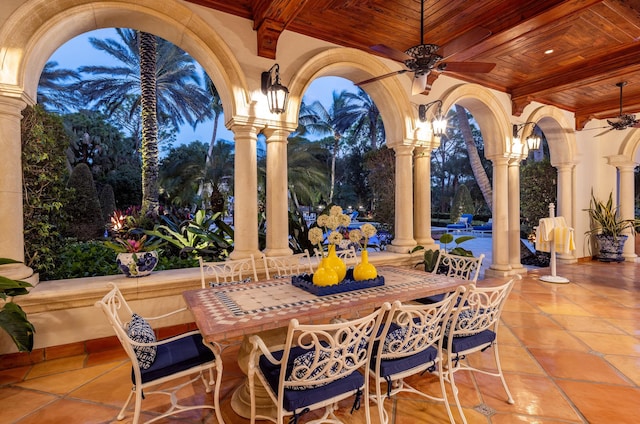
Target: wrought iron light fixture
{"points": [[533, 139], [439, 122], [277, 94]]}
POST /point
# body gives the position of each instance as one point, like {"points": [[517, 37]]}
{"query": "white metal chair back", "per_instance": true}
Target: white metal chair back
{"points": [[286, 266], [229, 271], [474, 328], [464, 267], [323, 361], [154, 363], [411, 343]]}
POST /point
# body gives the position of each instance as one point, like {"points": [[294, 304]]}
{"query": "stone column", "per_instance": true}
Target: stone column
{"points": [[627, 207], [422, 197], [403, 241], [565, 203], [500, 243], [277, 193], [245, 204], [514, 216], [11, 211]]}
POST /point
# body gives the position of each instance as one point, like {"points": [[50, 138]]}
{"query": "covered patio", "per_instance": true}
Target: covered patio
{"points": [[570, 354]]}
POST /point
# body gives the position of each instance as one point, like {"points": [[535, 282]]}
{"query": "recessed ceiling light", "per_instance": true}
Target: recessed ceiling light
{"points": [[548, 51]]}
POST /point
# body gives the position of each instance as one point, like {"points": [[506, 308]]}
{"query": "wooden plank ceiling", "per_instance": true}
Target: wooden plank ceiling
{"points": [[595, 43]]}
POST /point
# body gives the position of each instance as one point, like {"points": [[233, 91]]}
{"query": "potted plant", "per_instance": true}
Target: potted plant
{"points": [[13, 320], [136, 257], [607, 228]]}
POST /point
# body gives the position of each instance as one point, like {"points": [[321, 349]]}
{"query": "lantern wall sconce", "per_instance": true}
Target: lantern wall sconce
{"points": [[277, 94], [533, 139], [439, 122]]}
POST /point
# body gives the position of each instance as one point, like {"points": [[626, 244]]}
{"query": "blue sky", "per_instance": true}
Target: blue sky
{"points": [[78, 52]]}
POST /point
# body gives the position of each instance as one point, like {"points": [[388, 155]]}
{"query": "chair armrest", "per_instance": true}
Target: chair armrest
{"points": [[168, 314], [259, 344], [164, 341]]}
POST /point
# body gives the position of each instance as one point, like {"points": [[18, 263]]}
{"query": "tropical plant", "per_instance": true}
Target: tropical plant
{"points": [[166, 85], [130, 245], [53, 88], [322, 121], [13, 319], [606, 220], [360, 114], [202, 235], [430, 257]]}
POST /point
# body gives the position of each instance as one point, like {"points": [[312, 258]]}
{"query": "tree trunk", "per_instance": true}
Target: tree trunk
{"points": [[336, 146], [474, 157], [147, 48]]}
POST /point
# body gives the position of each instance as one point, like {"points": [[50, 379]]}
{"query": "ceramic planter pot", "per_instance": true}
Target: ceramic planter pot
{"points": [[137, 264], [610, 248]]}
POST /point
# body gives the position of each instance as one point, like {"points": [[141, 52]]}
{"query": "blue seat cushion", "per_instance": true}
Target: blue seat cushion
{"points": [[461, 344], [390, 367], [176, 356], [432, 299], [298, 399], [456, 226]]}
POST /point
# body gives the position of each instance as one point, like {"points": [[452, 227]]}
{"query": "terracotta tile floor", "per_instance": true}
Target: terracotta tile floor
{"points": [[571, 354]]}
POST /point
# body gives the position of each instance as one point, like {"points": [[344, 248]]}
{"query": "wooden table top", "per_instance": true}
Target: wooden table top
{"points": [[228, 311]]}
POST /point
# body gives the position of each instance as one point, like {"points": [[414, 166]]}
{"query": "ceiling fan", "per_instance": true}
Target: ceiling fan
{"points": [[624, 120], [423, 58]]}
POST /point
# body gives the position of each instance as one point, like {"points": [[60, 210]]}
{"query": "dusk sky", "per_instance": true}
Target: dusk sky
{"points": [[78, 52]]}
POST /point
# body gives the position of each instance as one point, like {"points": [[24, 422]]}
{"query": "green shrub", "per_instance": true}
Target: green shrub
{"points": [[44, 176], [84, 211], [83, 259]]}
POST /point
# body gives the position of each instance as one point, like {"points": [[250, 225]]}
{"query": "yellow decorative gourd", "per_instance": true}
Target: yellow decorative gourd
{"points": [[333, 261], [325, 275], [364, 270]]}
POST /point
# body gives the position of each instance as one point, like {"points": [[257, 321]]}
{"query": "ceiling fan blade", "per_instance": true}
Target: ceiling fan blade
{"points": [[464, 41], [402, 71], [391, 53], [604, 132], [479, 67], [419, 84]]}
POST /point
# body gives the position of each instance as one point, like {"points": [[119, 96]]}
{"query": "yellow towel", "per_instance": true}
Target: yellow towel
{"points": [[556, 231], [544, 234]]}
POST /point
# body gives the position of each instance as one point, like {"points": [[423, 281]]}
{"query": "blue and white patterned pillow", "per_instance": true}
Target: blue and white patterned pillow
{"points": [[464, 320], [141, 332]]}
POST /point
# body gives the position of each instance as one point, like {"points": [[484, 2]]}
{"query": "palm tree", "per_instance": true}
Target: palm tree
{"points": [[306, 169], [474, 158], [316, 119], [53, 88], [360, 114], [165, 85]]}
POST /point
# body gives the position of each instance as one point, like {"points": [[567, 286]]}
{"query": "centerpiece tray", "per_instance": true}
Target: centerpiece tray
{"points": [[305, 282]]}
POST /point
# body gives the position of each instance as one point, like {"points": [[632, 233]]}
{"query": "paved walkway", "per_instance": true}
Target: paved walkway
{"points": [[478, 245]]}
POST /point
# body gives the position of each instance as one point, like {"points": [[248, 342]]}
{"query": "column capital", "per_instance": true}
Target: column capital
{"points": [[10, 105], [621, 162], [403, 149]]}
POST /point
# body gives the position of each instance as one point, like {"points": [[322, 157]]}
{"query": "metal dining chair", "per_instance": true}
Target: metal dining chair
{"points": [[317, 367], [155, 363], [473, 328], [463, 267], [410, 343], [285, 266], [229, 271]]}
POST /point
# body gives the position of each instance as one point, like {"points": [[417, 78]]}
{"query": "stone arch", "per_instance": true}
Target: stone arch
{"points": [[487, 110], [630, 146], [36, 29], [388, 94], [559, 133]]}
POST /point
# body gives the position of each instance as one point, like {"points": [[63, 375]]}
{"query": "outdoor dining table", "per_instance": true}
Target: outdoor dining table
{"points": [[229, 311]]}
